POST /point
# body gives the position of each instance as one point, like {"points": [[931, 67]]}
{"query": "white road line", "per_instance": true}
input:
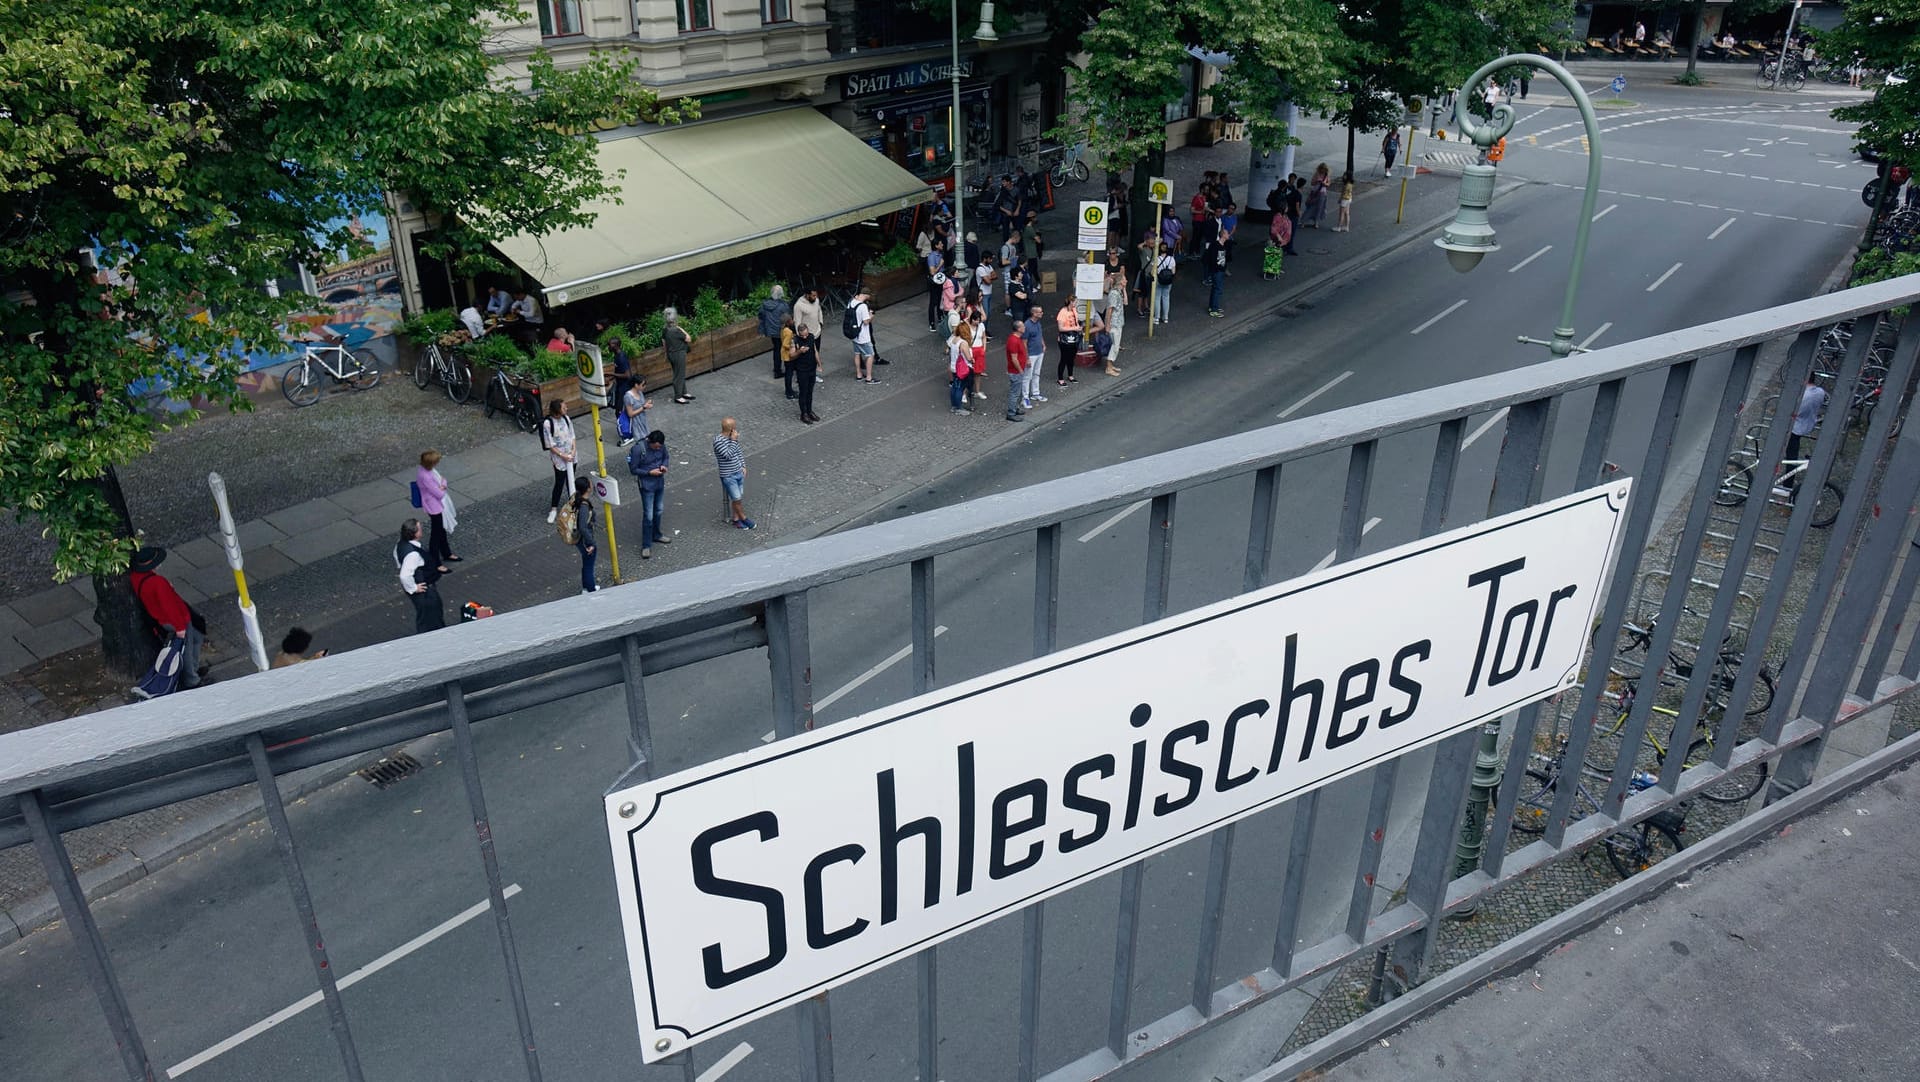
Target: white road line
{"points": [[1327, 560], [726, 1063], [885, 663], [313, 998], [1451, 308], [1606, 212], [1715, 235], [1530, 259], [1114, 519], [1597, 332], [1498, 416], [1664, 277], [1324, 388]]}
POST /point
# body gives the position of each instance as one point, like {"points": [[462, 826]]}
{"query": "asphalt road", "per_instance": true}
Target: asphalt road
{"points": [[1716, 203]]}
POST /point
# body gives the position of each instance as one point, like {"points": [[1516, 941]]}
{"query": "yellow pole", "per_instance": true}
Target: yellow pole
{"points": [[1412, 130], [1153, 271], [600, 452]]}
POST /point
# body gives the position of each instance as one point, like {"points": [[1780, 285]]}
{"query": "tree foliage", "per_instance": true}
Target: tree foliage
{"points": [[160, 161], [1885, 34]]}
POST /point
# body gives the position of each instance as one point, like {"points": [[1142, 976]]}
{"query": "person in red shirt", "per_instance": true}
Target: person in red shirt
{"points": [[1016, 373], [169, 610]]}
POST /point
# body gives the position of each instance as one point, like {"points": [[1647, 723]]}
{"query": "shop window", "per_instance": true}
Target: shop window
{"points": [[776, 11], [559, 18], [1183, 109], [694, 14]]}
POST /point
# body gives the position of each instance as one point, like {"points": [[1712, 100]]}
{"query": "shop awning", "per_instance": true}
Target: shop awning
{"points": [[698, 194]]}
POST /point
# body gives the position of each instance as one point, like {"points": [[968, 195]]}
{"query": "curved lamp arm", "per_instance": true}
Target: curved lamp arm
{"points": [[1484, 135]]}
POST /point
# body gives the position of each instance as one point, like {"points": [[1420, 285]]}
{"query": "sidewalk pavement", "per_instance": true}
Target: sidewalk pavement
{"points": [[1794, 958], [325, 564]]}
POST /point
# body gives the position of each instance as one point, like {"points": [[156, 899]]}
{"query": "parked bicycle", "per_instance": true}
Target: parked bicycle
{"points": [[1788, 74], [1062, 163], [445, 367], [1632, 850], [1739, 476], [356, 368], [1727, 663], [517, 400], [1733, 787]]}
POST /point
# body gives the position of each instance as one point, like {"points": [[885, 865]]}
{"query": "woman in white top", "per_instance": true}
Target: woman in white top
{"points": [[977, 319], [556, 435], [1116, 316], [959, 367]]}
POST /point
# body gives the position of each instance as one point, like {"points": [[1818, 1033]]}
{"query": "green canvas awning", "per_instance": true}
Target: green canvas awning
{"points": [[701, 193]]}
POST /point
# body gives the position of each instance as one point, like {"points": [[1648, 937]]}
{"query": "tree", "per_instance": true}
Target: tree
{"points": [[161, 161], [1885, 36]]}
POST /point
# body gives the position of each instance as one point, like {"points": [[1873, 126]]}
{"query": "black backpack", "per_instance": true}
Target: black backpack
{"points": [[850, 321]]}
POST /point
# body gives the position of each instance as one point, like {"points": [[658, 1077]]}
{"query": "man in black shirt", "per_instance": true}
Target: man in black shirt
{"points": [[804, 361]]}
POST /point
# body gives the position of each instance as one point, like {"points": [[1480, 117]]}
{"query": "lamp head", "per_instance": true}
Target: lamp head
{"points": [[985, 32], [1470, 235]]}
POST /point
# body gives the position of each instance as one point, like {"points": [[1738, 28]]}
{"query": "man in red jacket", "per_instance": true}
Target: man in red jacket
{"points": [[167, 609], [1017, 362]]}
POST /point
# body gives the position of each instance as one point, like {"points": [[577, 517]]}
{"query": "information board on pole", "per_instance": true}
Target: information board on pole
{"points": [[1089, 281], [1093, 226], [753, 882]]}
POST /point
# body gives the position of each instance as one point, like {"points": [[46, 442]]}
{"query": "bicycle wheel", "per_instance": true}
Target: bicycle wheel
{"points": [[492, 400], [1798, 79], [1603, 748], [1826, 510], [1735, 787], [1081, 172], [1638, 848], [459, 381], [366, 376], [1766, 77], [526, 410], [299, 385], [1736, 481], [423, 368], [1534, 804]]}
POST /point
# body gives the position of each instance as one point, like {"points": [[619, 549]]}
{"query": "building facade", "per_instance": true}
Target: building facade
{"points": [[878, 72]]}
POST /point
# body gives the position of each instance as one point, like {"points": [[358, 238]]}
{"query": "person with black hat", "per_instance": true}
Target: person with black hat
{"points": [[169, 612]]}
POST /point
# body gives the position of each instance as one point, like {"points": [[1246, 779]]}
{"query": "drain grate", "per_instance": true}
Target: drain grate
{"points": [[392, 769]]}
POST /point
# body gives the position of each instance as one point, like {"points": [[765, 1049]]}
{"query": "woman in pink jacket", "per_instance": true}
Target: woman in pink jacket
{"points": [[439, 507]]}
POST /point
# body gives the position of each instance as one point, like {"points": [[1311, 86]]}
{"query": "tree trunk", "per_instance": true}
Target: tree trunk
{"points": [[125, 645], [1144, 170], [1351, 171], [1693, 47]]}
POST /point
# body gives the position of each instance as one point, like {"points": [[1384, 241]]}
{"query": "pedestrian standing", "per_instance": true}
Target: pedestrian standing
{"points": [[863, 341], [417, 579], [1164, 271], [1197, 208], [1035, 330], [583, 510], [1019, 296], [1116, 315], [1229, 224], [678, 343], [649, 463], [1317, 196], [1067, 325], [635, 411], [774, 313], [804, 364], [1213, 258], [1345, 222], [733, 472], [169, 613], [1293, 202], [293, 649], [615, 341], [1016, 374], [437, 502], [1390, 147], [1148, 252], [809, 321], [557, 436], [959, 367], [1526, 80], [984, 278], [936, 285], [977, 320], [1806, 415]]}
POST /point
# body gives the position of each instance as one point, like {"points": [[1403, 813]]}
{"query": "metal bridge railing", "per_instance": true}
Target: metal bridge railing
{"points": [[62, 777]]}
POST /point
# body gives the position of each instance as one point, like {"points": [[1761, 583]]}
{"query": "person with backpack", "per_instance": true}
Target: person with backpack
{"points": [[417, 579], [577, 521], [557, 436], [168, 617], [634, 407], [649, 463], [857, 323], [1165, 269]]}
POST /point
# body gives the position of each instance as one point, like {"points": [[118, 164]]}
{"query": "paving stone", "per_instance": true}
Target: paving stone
{"points": [[11, 621], [256, 534], [48, 606], [200, 552], [486, 486], [13, 656], [324, 541], [214, 581], [486, 457], [57, 637], [361, 498], [459, 466], [385, 521], [305, 517], [267, 563], [84, 587]]}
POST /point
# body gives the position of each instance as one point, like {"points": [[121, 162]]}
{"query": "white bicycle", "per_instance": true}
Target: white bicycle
{"points": [[357, 368]]}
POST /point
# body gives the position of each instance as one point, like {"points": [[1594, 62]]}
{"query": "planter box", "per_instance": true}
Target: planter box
{"points": [[713, 350], [565, 389], [894, 286]]}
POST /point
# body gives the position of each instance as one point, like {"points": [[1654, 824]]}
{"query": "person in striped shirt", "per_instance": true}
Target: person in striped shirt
{"points": [[733, 472]]}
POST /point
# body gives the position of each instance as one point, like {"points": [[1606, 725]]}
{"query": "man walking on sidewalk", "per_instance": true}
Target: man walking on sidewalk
{"points": [[733, 472], [417, 579]]}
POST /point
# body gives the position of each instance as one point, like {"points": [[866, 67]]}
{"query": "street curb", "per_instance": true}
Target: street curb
{"points": [[42, 910], [1537, 941], [1220, 332]]}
